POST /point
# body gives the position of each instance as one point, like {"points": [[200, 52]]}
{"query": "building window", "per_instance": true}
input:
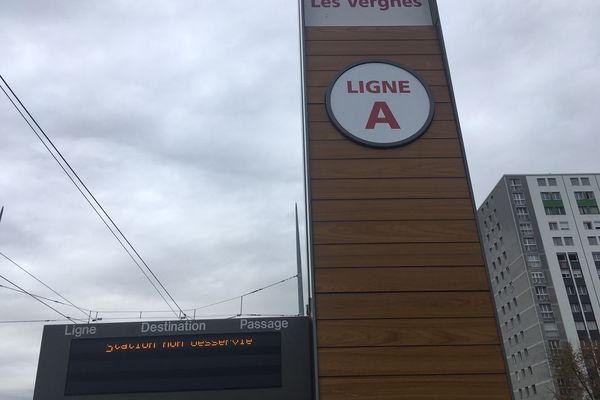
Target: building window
{"points": [[586, 210], [585, 181], [593, 240], [557, 241], [551, 181], [526, 229], [538, 277], [584, 195], [534, 261], [575, 181], [554, 210], [566, 274], [554, 344], [519, 199], [563, 262], [546, 311], [522, 211], [575, 308], [553, 226], [551, 196], [574, 260], [579, 325], [541, 182], [571, 290], [596, 258], [582, 290], [569, 241], [564, 225], [542, 293], [577, 273], [515, 184], [592, 326], [530, 370], [587, 225]]}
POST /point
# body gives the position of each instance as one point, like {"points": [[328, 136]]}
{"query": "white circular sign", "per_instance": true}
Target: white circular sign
{"points": [[379, 103]]}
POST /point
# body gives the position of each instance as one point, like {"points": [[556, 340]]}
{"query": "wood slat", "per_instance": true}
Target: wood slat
{"points": [[371, 47], [382, 168], [337, 63], [404, 279], [451, 188], [370, 33], [427, 360], [404, 305], [345, 149], [407, 332], [441, 387], [316, 95], [324, 78], [392, 210], [324, 130], [318, 113], [397, 255], [395, 232]]}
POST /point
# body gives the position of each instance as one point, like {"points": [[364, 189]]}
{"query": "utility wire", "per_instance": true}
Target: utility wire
{"points": [[37, 299], [72, 171], [46, 298], [245, 294], [86, 312]]}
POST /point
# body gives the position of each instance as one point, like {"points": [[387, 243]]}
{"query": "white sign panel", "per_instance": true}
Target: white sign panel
{"points": [[379, 103], [367, 13]]}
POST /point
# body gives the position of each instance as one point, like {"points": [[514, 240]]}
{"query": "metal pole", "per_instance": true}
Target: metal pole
{"points": [[299, 265]]}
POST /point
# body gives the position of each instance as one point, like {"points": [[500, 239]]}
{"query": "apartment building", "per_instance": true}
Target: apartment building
{"points": [[541, 235]]}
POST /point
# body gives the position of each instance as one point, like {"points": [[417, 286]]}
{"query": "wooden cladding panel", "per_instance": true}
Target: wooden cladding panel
{"points": [[352, 189], [336, 63], [386, 168], [392, 210], [324, 130], [344, 149], [395, 232], [380, 33], [426, 360], [407, 332], [402, 299], [436, 387], [404, 305], [366, 48], [405, 279], [397, 255]]}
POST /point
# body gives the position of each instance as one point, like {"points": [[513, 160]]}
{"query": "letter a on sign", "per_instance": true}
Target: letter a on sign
{"points": [[387, 118]]}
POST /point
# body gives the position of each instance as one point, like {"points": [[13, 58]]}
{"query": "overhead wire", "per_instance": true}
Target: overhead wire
{"points": [[83, 311], [39, 300], [45, 298], [77, 185]]}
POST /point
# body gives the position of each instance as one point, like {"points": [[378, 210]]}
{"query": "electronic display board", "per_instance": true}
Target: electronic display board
{"points": [[265, 358]]}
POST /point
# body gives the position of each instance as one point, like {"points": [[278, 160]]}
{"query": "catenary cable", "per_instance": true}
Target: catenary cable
{"points": [[46, 298], [182, 314], [39, 300], [82, 310]]}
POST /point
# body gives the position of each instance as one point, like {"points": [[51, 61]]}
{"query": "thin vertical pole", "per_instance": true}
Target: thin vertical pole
{"points": [[299, 265]]}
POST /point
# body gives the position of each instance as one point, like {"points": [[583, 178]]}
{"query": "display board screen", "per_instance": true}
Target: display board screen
{"points": [[174, 363], [230, 359]]}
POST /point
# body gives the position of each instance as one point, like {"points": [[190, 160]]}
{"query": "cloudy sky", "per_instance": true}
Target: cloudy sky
{"points": [[183, 117]]}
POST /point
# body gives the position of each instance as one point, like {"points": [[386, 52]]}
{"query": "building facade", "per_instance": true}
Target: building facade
{"points": [[541, 236]]}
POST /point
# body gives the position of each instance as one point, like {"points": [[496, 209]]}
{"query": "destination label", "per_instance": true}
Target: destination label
{"points": [[367, 13]]}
